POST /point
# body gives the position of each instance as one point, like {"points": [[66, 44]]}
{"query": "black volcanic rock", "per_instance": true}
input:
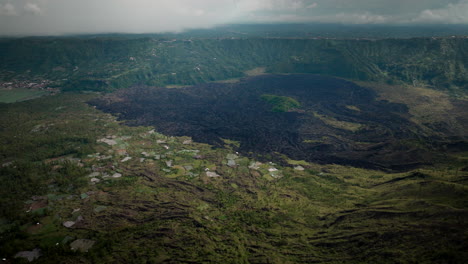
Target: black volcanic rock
{"points": [[316, 132]]}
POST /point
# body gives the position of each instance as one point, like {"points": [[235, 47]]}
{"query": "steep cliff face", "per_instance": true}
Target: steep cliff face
{"points": [[119, 62], [438, 63]]}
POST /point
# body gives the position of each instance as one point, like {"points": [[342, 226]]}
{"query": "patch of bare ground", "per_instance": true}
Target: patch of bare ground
{"points": [[256, 71]]}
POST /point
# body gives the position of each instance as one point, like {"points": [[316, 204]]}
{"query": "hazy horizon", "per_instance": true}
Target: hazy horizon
{"points": [[59, 17]]}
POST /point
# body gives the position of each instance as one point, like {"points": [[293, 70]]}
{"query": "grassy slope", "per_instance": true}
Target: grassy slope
{"points": [[18, 95], [427, 107], [156, 213]]}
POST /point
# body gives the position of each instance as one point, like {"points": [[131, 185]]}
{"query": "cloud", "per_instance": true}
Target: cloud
{"points": [[52, 17], [395, 12], [7, 9], [134, 16], [257, 5], [452, 14], [356, 18], [33, 8]]}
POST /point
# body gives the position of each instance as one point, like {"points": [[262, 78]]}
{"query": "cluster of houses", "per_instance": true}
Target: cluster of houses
{"points": [[41, 85]]}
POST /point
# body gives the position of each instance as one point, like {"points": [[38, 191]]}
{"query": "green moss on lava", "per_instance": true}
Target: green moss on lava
{"points": [[281, 103]]}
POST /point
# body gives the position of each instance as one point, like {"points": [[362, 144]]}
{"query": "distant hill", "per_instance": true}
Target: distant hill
{"points": [[109, 62]]}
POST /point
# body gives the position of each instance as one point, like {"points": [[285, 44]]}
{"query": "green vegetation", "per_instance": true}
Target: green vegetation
{"points": [[353, 127], [353, 107], [105, 63], [42, 142], [281, 103], [145, 197], [18, 95], [165, 202]]}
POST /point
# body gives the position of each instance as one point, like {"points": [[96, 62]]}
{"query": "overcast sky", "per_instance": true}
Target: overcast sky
{"points": [[51, 17]]}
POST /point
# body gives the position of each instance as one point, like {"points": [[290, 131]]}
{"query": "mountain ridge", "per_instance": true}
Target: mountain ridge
{"points": [[110, 63]]}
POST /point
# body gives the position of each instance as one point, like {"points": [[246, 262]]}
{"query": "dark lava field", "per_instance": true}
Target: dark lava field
{"points": [[337, 121]]}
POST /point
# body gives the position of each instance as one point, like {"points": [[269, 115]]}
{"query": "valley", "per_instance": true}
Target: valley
{"points": [[220, 148]]}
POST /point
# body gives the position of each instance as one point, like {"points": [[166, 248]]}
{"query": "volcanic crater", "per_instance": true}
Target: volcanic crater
{"points": [[331, 121]]}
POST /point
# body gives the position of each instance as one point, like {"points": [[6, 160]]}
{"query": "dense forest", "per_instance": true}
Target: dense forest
{"points": [[104, 63]]}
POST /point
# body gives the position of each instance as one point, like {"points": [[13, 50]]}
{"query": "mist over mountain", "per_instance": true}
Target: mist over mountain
{"points": [[25, 17]]}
